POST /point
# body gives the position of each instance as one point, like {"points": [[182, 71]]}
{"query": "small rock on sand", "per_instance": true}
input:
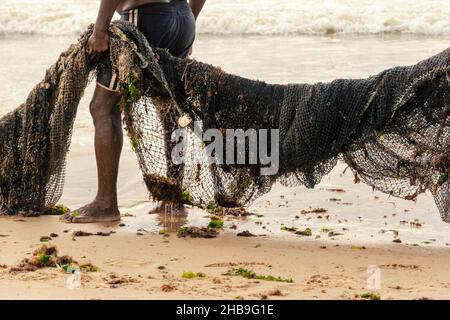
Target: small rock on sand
{"points": [[246, 233]]}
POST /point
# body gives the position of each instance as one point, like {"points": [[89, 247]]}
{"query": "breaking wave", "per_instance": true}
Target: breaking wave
{"points": [[249, 17]]}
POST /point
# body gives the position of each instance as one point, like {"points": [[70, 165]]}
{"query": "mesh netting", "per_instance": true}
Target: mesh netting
{"points": [[391, 129], [35, 138]]}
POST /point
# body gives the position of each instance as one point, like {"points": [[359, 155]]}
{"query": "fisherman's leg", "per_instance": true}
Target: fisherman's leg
{"points": [[108, 146], [174, 30]]}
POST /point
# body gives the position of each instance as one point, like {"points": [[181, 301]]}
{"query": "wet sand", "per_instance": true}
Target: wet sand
{"points": [[150, 266], [137, 262]]}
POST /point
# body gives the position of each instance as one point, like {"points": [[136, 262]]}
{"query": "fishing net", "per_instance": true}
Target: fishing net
{"points": [[391, 129]]}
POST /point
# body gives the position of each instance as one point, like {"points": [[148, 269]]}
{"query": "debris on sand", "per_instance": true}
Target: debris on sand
{"points": [[58, 210], [358, 247], [45, 239], [338, 190], [65, 260], [334, 234], [370, 296], [195, 232], [289, 229], [246, 233], [416, 223], [88, 234], [250, 274], [47, 257], [397, 241], [237, 212], [89, 267], [396, 233], [215, 223], [115, 281], [400, 266], [307, 232], [43, 257], [104, 234], [227, 208], [317, 210], [236, 264], [81, 234], [168, 287], [192, 275], [275, 292], [127, 215]]}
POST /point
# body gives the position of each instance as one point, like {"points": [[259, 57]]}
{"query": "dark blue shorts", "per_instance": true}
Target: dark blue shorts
{"points": [[165, 25]]}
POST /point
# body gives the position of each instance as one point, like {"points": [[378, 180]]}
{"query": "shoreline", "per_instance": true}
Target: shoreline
{"points": [[150, 266]]}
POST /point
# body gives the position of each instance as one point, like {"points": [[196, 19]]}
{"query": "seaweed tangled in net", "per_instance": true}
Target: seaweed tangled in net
{"points": [[392, 129]]}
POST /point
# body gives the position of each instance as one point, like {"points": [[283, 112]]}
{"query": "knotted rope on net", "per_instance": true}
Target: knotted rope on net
{"points": [[391, 129]]}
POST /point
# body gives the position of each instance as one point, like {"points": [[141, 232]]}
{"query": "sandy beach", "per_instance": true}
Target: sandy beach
{"points": [[150, 266], [353, 228]]}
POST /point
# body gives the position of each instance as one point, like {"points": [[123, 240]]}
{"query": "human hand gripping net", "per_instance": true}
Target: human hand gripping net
{"points": [[391, 129]]}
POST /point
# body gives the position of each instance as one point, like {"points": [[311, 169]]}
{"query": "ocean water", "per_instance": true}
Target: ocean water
{"points": [[249, 17], [276, 41]]}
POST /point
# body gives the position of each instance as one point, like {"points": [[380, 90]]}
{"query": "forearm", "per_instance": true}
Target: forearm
{"points": [[196, 7], [105, 14]]}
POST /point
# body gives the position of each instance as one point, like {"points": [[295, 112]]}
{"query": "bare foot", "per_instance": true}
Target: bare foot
{"points": [[96, 211]]}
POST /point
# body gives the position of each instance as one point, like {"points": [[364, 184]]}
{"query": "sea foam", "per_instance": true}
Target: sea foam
{"points": [[250, 17]]}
